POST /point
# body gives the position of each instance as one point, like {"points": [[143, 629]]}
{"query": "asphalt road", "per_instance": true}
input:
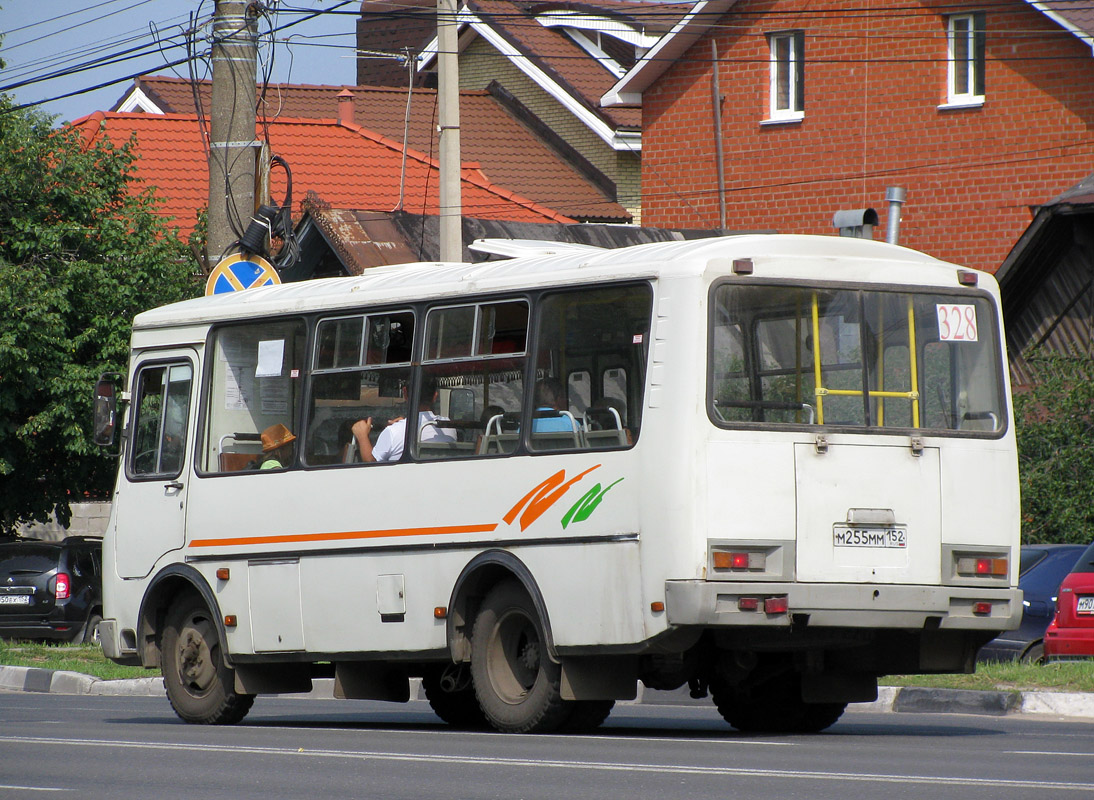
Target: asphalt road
{"points": [[55, 745]]}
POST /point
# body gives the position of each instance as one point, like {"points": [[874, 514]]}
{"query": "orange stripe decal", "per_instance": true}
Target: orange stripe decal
{"points": [[340, 536]]}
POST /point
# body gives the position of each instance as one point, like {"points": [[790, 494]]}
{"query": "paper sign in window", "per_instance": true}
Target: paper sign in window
{"points": [[271, 358], [956, 322]]}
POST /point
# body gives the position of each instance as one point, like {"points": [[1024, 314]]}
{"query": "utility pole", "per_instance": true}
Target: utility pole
{"points": [[232, 143], [448, 112]]}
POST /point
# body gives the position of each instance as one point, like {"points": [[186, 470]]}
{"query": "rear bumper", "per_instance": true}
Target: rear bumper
{"points": [[1063, 643], [715, 604], [61, 630]]}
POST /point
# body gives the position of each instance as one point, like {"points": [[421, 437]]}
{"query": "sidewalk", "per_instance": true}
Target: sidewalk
{"points": [[911, 699]]}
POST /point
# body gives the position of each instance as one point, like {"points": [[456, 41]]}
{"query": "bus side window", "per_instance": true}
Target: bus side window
{"points": [[602, 332], [255, 383], [360, 370], [162, 411], [475, 357]]}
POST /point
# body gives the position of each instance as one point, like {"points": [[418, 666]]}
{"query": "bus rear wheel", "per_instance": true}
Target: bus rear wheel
{"points": [[774, 707], [452, 697], [200, 685], [516, 683]]}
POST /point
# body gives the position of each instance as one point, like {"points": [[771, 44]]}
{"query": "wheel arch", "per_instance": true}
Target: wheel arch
{"points": [[168, 584], [482, 573]]}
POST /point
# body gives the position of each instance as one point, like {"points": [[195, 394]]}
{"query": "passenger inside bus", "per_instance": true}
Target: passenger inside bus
{"points": [[277, 447], [550, 416], [389, 444]]}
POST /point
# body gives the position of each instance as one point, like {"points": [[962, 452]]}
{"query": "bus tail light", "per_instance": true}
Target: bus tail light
{"points": [[981, 609], [748, 603], [739, 560], [983, 565], [776, 605], [62, 586]]}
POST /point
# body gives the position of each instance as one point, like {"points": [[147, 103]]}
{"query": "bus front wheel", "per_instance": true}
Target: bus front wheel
{"points": [[200, 685], [516, 683]]}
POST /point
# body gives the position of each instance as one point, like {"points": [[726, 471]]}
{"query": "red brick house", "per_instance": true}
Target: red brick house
{"points": [[980, 112]]}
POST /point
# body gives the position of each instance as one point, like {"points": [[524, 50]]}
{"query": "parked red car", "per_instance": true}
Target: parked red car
{"points": [[1071, 633]]}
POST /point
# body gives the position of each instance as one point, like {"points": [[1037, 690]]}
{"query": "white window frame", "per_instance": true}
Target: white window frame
{"points": [[965, 59], [787, 73]]}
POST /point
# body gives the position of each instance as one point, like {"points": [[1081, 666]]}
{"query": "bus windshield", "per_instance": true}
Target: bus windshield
{"points": [[790, 355]]}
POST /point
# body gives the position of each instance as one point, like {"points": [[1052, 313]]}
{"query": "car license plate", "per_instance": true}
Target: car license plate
{"points": [[848, 536], [14, 599], [1085, 605]]}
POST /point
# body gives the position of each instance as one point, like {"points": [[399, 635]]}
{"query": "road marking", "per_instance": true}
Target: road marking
{"points": [[600, 766], [1044, 753], [33, 788]]}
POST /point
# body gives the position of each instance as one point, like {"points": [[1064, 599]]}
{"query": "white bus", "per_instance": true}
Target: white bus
{"points": [[780, 467]]}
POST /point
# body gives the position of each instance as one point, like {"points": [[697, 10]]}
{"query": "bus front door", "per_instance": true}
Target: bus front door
{"points": [[151, 502]]}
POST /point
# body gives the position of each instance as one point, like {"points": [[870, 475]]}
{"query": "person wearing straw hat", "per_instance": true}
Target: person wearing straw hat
{"points": [[276, 447]]}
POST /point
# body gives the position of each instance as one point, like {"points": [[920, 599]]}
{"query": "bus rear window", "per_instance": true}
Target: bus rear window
{"points": [[784, 355]]}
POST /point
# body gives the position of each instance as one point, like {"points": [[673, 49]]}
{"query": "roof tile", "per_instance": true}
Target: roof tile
{"points": [[347, 165]]}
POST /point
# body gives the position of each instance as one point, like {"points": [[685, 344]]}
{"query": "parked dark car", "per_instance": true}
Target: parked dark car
{"points": [[1071, 634], [51, 590], [1040, 571]]}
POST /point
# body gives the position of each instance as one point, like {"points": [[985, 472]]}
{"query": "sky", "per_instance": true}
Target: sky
{"points": [[71, 40]]}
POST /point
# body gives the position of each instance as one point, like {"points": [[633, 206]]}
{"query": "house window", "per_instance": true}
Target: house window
{"points": [[787, 92], [965, 37]]}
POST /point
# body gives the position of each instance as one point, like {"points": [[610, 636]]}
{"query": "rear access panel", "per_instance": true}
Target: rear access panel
{"points": [[868, 514]]}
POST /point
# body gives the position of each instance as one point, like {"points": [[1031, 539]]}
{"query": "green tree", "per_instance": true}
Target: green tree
{"points": [[1055, 430], [81, 252]]}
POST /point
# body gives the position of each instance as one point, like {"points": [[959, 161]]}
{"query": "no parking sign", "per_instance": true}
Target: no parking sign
{"points": [[238, 272]]}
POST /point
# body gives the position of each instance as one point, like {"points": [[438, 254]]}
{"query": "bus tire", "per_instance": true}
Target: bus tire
{"points": [[775, 707], [587, 715], [200, 685], [515, 681], [452, 697]]}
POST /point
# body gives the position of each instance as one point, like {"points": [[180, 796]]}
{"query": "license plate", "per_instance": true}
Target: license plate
{"points": [[847, 536], [14, 599], [1085, 605]]}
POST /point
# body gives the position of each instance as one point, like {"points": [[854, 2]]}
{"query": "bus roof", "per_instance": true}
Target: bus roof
{"points": [[818, 258]]}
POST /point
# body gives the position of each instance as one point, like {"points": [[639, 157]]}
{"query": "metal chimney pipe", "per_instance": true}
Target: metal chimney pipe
{"points": [[895, 197]]}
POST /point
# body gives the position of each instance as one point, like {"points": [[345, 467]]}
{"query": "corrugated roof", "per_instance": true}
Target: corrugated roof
{"points": [[508, 153], [345, 164]]}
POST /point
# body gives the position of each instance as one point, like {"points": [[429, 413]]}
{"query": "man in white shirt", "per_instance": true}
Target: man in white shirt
{"points": [[389, 444]]}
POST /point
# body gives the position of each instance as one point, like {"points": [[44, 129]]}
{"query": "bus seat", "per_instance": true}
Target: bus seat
{"points": [[556, 440], [445, 449], [606, 438], [236, 462], [495, 443]]}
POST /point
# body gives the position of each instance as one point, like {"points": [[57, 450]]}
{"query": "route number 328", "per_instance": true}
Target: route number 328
{"points": [[956, 323]]}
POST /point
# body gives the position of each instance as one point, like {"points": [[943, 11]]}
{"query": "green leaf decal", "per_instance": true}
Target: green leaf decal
{"points": [[583, 508]]}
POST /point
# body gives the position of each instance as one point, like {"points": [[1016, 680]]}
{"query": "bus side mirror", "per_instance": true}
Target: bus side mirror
{"points": [[104, 430]]}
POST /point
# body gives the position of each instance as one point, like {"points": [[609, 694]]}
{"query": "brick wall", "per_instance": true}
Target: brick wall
{"points": [[874, 83]]}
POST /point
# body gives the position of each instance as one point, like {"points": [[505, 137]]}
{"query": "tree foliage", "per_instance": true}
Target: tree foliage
{"points": [[1055, 430], [81, 252]]}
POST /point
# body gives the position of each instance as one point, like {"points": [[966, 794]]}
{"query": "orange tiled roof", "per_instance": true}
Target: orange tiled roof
{"points": [[345, 164], [508, 153]]}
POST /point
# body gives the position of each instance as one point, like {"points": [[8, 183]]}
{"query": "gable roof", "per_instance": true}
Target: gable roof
{"points": [[1075, 16], [531, 35], [509, 154], [347, 165]]}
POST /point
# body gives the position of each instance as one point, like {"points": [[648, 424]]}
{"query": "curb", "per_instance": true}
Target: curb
{"points": [[907, 699]]}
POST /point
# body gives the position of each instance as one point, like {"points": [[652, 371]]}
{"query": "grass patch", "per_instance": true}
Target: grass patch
{"points": [[84, 658], [1071, 676], [1074, 676]]}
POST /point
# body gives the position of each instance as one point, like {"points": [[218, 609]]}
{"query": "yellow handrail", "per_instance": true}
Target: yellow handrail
{"points": [[820, 390]]}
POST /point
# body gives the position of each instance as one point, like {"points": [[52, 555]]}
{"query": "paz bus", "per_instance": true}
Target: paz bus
{"points": [[780, 468]]}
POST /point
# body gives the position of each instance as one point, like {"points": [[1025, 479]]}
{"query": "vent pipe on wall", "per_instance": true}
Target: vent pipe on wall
{"points": [[894, 195]]}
